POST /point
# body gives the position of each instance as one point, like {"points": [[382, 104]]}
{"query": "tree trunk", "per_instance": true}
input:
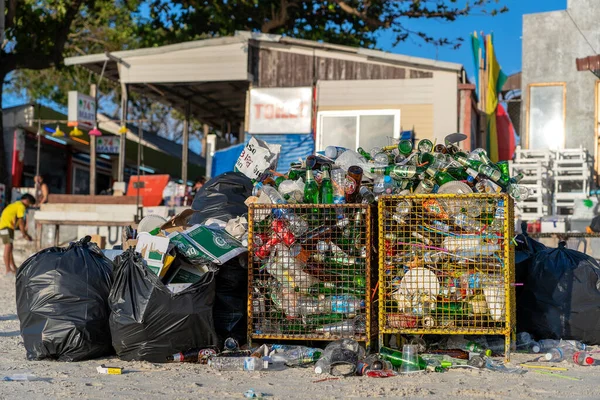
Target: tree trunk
{"points": [[3, 169]]}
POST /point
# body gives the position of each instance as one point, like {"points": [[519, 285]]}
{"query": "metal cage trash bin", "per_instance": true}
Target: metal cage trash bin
{"points": [[446, 265], [309, 272]]}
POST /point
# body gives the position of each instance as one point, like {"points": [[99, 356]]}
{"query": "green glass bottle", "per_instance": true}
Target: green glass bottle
{"points": [[364, 153], [326, 187], [311, 188], [442, 177], [488, 171], [405, 147], [395, 358], [279, 179], [294, 174]]}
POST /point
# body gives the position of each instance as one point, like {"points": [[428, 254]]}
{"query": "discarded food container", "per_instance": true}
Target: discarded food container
{"points": [[103, 369]]}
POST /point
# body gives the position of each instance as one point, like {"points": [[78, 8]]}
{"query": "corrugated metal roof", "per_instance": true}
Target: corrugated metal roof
{"points": [[244, 37]]}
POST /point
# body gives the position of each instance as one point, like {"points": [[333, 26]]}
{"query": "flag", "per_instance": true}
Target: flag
{"points": [[495, 80], [506, 135]]}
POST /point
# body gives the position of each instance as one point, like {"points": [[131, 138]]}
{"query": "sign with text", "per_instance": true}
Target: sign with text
{"points": [[280, 110], [257, 157], [108, 144], [82, 109]]}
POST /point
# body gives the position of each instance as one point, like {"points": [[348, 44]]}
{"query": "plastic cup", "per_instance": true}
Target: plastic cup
{"points": [[410, 359]]}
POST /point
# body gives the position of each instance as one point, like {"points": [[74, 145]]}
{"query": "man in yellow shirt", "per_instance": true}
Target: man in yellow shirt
{"points": [[12, 215]]}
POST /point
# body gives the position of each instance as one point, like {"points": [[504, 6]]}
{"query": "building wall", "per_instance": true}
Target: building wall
{"points": [[429, 105], [282, 66], [551, 44]]}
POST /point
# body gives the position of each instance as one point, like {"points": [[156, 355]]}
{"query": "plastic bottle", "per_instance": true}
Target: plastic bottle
{"points": [[338, 180], [367, 197], [339, 347], [558, 354], [343, 304], [294, 356], [379, 185], [334, 152], [582, 358], [237, 363], [547, 344]]}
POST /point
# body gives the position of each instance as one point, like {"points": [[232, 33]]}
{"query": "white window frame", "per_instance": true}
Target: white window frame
{"points": [[357, 114]]}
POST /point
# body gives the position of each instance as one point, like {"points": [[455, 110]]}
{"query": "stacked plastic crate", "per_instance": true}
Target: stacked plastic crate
{"points": [[572, 179], [536, 167]]}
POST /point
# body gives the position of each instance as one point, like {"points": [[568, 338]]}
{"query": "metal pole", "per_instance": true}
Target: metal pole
{"points": [[123, 139], [139, 158], [39, 138], [185, 145], [93, 93]]}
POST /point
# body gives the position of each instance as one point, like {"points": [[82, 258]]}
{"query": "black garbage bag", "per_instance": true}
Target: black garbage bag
{"points": [[148, 322], [223, 198], [525, 251], [231, 304], [561, 296], [62, 303]]}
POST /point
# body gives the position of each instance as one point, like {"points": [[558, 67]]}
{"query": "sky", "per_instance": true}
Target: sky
{"points": [[507, 29]]}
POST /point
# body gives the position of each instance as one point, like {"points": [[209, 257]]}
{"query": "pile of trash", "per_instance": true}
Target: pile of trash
{"points": [[179, 290], [339, 175], [346, 357]]}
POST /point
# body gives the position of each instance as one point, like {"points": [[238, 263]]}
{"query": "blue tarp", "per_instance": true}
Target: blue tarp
{"points": [[224, 160], [293, 147]]}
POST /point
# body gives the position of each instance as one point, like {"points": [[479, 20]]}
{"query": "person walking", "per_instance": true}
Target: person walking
{"points": [[13, 215]]}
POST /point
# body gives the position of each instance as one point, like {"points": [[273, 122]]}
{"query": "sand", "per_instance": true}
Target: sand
{"points": [[143, 380]]}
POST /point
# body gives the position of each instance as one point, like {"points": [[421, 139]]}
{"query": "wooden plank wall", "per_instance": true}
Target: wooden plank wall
{"points": [[272, 68]]}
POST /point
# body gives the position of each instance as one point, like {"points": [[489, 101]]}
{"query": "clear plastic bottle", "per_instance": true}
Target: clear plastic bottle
{"points": [[582, 358], [379, 185], [547, 344], [323, 365], [343, 304], [558, 354], [294, 355], [237, 363], [338, 179], [334, 152]]}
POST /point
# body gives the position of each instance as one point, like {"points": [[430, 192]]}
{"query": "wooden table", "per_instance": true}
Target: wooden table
{"points": [[40, 223]]}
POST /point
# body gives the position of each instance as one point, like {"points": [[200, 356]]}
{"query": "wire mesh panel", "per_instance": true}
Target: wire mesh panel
{"points": [[446, 265], [309, 272]]}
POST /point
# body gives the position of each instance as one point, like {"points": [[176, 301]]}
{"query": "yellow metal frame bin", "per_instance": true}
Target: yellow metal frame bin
{"points": [[309, 272], [446, 265]]}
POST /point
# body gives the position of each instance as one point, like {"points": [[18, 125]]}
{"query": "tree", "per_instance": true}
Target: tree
{"points": [[36, 34], [348, 22]]}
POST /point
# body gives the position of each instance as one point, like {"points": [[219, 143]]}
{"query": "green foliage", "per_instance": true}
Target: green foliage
{"points": [[347, 22]]}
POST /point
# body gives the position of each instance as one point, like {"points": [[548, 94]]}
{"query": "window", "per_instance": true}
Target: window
{"points": [[360, 128], [546, 116]]}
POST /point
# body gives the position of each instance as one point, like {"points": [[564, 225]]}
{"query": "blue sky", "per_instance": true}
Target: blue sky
{"points": [[507, 29]]}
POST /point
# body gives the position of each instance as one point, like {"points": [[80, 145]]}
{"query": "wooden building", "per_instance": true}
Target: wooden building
{"points": [[359, 96]]}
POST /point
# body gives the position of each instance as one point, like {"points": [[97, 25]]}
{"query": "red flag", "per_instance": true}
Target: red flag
{"points": [[506, 135]]}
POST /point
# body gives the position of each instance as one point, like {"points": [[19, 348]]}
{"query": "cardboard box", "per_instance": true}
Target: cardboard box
{"points": [[178, 223], [99, 240]]}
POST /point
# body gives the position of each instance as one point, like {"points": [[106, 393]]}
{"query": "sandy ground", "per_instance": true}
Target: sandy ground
{"points": [[187, 381]]}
